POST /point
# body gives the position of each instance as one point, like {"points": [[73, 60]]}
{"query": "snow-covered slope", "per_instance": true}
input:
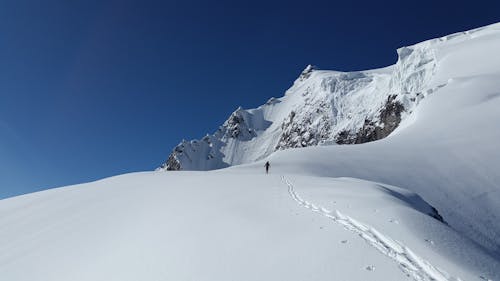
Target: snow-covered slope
{"points": [[231, 225], [447, 150]]}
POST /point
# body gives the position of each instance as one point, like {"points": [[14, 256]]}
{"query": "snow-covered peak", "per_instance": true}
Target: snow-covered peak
{"points": [[238, 126], [333, 107], [306, 73]]}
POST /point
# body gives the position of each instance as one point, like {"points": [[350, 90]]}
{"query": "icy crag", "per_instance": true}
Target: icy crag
{"points": [[324, 107]]}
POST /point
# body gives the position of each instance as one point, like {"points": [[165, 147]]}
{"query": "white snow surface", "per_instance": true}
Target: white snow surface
{"points": [[232, 225], [337, 212]]}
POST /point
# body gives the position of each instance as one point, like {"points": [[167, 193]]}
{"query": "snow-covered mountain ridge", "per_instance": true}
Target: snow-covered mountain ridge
{"points": [[328, 107]]}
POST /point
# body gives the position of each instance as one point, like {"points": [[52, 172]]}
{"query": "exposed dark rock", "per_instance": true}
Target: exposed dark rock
{"points": [[297, 133], [390, 117], [291, 136], [235, 126], [345, 137], [388, 120], [172, 163]]}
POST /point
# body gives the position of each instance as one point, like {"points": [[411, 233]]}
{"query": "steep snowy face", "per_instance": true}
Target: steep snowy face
{"points": [[332, 107], [326, 107]]}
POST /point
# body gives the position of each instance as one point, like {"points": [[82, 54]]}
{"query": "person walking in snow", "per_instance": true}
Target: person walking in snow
{"points": [[267, 165]]}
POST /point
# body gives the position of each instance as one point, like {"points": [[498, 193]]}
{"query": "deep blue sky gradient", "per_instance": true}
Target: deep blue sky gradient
{"points": [[90, 89]]}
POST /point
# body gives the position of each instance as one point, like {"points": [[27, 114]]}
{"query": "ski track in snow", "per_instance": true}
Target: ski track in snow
{"points": [[411, 264]]}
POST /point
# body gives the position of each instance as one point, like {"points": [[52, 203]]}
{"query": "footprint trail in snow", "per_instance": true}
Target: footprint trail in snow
{"points": [[411, 264]]}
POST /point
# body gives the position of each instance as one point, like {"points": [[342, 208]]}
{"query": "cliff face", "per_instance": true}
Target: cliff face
{"points": [[321, 108]]}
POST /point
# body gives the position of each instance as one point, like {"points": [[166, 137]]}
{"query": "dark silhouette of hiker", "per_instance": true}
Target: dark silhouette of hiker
{"points": [[267, 165]]}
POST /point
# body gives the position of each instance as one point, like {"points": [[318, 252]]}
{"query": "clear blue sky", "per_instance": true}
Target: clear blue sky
{"points": [[90, 89]]}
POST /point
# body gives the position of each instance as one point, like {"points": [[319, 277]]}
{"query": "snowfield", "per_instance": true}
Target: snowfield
{"points": [[420, 204], [231, 226]]}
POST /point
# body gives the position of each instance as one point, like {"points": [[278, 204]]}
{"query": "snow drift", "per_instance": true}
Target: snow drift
{"points": [[231, 225]]}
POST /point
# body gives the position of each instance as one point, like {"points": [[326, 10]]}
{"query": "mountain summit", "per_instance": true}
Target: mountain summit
{"points": [[324, 107]]}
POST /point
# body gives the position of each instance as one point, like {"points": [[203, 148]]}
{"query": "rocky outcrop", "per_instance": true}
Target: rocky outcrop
{"points": [[205, 154], [308, 131], [386, 122], [236, 126], [306, 73], [172, 163]]}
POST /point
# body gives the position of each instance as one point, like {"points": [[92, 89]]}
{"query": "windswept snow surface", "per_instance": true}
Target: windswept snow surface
{"points": [[231, 226]]}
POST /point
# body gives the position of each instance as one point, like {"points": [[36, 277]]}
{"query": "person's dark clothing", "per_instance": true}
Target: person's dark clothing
{"points": [[267, 165]]}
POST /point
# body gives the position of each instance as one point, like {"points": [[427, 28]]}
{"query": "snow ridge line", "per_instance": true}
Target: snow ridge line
{"points": [[411, 264]]}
